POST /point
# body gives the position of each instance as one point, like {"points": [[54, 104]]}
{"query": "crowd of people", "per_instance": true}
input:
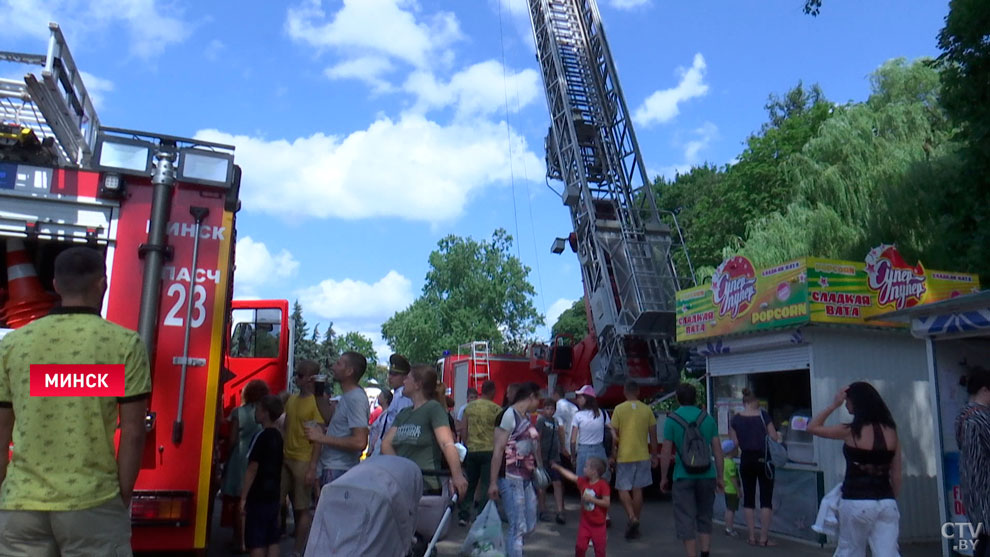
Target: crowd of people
{"points": [[534, 441], [284, 448]]}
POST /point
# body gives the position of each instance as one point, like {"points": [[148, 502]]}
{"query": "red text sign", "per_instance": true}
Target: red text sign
{"points": [[77, 380]]}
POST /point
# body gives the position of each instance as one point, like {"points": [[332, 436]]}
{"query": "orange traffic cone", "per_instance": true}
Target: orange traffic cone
{"points": [[26, 301]]}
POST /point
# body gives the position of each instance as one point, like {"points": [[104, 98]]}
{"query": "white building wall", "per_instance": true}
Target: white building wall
{"points": [[896, 364]]}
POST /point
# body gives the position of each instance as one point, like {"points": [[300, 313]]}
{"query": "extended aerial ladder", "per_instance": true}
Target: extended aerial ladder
{"points": [[622, 245]]}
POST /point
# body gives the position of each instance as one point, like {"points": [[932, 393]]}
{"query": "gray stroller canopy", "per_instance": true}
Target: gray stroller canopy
{"points": [[370, 510]]}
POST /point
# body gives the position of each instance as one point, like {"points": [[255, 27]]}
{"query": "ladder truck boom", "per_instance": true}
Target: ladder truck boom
{"points": [[623, 246]]}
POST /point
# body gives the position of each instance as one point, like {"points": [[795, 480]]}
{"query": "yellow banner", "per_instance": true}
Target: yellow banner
{"points": [[811, 290]]}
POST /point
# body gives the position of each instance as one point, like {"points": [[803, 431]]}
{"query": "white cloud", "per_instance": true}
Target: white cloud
{"points": [[662, 106], [368, 69], [97, 87], [628, 4], [394, 168], [25, 18], [556, 309], [480, 89], [150, 30], [384, 27], [256, 266], [213, 50], [348, 300], [701, 138]]}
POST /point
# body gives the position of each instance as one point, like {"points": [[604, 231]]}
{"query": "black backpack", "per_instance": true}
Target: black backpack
{"points": [[695, 451]]}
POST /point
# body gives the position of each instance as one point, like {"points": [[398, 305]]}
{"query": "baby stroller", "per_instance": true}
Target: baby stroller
{"points": [[370, 510], [378, 508], [433, 517]]}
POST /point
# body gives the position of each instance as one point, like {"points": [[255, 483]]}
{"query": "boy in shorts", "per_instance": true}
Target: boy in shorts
{"points": [[260, 496], [730, 473]]}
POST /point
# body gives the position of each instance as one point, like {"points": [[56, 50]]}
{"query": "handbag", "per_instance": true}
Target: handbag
{"points": [[541, 480], [775, 453]]}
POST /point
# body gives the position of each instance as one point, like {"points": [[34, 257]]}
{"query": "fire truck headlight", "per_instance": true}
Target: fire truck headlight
{"points": [[126, 155], [209, 168], [112, 185]]}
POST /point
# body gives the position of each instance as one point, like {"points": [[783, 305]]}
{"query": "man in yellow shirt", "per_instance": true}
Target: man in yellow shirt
{"points": [[301, 455], [478, 433], [67, 489], [635, 426]]}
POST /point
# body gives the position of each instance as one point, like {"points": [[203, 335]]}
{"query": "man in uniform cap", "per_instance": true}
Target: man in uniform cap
{"points": [[398, 368]]}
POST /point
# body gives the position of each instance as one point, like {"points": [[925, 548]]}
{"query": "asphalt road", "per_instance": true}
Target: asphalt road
{"points": [[658, 538]]}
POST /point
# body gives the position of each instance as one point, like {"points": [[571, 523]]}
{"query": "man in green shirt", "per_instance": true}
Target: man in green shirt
{"points": [[693, 494], [67, 488], [478, 433]]}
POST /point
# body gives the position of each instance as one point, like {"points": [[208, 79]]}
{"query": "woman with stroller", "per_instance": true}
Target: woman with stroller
{"points": [[515, 457], [868, 511], [243, 428], [422, 432]]}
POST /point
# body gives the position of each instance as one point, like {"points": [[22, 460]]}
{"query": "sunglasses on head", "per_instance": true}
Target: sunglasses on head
{"points": [[300, 375]]}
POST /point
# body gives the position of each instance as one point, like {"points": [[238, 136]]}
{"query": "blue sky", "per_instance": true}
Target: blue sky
{"points": [[369, 129]]}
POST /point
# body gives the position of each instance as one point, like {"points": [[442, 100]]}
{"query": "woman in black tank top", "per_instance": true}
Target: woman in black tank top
{"points": [[868, 511]]}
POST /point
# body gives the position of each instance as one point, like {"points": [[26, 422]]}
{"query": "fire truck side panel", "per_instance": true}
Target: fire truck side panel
{"points": [[167, 467], [503, 370]]}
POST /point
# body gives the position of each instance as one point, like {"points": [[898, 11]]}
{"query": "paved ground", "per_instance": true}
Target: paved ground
{"points": [[658, 539]]}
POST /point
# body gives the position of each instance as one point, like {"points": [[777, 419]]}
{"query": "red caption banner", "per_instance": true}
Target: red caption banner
{"points": [[77, 380]]}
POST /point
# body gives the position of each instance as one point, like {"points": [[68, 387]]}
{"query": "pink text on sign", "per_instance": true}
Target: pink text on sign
{"points": [[77, 380]]}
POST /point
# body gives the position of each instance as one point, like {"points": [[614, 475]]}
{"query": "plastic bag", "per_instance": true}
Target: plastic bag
{"points": [[485, 538]]}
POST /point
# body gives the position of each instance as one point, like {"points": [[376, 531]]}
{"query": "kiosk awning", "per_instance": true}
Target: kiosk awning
{"points": [[962, 316]]}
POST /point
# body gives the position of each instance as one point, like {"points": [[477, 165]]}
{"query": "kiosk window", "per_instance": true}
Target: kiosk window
{"points": [[255, 333], [785, 395]]}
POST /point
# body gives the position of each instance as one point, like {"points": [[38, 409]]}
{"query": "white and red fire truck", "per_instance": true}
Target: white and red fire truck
{"points": [[162, 209]]}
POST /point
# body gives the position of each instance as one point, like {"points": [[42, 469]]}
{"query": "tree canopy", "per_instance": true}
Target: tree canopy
{"points": [[473, 291], [909, 166], [325, 348], [573, 321]]}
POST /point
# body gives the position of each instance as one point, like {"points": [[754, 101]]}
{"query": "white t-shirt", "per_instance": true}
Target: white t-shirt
{"points": [[564, 416], [591, 430]]}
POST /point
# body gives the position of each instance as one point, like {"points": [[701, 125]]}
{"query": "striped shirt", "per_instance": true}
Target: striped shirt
{"points": [[973, 438]]}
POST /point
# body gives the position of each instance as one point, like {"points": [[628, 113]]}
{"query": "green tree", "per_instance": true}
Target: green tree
{"points": [[329, 349], [356, 342], [573, 321], [717, 205], [964, 201], [473, 291], [858, 180], [306, 347]]}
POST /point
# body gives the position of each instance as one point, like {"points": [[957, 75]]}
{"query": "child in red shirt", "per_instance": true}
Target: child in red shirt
{"points": [[595, 500]]}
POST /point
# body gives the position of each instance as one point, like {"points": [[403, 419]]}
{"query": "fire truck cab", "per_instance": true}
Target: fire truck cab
{"points": [[162, 211]]}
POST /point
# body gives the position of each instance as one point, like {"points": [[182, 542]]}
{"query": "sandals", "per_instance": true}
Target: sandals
{"points": [[767, 543]]}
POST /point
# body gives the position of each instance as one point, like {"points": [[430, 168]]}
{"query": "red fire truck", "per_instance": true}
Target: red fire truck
{"points": [[162, 209], [472, 365]]}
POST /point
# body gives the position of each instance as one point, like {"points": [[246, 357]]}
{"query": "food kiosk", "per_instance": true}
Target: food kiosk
{"points": [[797, 332], [957, 337]]}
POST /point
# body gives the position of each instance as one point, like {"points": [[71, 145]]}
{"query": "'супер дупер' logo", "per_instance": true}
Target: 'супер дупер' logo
{"points": [[894, 281], [734, 286]]}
